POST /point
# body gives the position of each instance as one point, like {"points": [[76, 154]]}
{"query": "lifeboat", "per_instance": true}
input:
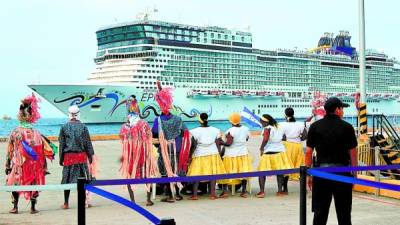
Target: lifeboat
{"points": [[340, 94], [262, 93], [389, 96], [214, 92], [237, 93], [376, 95]]}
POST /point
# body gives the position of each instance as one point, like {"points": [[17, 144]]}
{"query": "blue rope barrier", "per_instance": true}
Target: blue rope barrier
{"points": [[193, 178], [124, 202], [352, 180], [357, 168]]}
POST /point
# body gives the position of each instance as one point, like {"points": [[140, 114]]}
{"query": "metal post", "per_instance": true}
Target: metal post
{"points": [[377, 172], [81, 201], [361, 57], [303, 195], [167, 221]]}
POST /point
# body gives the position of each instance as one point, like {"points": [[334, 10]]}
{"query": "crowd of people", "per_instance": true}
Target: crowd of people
{"points": [[169, 149]]}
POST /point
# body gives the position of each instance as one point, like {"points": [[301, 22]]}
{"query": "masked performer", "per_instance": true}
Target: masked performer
{"points": [[26, 154], [174, 143], [138, 159]]}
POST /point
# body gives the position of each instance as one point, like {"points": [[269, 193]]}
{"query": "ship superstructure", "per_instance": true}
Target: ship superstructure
{"points": [[218, 70]]}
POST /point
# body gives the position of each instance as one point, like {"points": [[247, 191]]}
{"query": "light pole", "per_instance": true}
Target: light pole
{"points": [[361, 56], [362, 107]]}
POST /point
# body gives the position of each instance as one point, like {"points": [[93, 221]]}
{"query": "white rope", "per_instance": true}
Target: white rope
{"points": [[49, 187]]}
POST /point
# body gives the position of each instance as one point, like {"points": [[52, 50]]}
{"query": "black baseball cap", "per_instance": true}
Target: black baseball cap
{"points": [[332, 103]]}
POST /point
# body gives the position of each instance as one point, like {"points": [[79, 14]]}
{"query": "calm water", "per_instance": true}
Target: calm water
{"points": [[51, 126]]}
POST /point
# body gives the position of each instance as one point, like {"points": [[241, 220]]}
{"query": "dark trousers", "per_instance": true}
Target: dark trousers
{"points": [[322, 193]]}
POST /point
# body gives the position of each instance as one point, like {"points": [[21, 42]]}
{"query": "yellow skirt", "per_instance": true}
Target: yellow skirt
{"points": [[277, 161], [206, 165], [238, 164], [296, 155]]}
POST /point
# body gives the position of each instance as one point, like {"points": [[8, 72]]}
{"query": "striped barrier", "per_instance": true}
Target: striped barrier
{"points": [[362, 119]]}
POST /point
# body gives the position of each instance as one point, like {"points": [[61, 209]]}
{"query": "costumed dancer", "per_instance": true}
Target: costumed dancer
{"points": [[76, 151], [273, 155], [138, 160], [204, 154], [26, 154], [294, 133], [318, 102], [236, 156], [173, 142]]}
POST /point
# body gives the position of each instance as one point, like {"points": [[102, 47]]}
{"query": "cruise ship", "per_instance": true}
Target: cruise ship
{"points": [[218, 71]]}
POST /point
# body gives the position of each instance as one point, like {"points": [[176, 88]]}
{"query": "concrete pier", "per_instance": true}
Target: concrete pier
{"points": [[367, 210]]}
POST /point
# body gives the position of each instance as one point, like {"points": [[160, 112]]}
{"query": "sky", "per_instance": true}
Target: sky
{"points": [[47, 41]]}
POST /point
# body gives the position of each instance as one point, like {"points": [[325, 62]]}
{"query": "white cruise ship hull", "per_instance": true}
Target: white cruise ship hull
{"points": [[105, 103]]}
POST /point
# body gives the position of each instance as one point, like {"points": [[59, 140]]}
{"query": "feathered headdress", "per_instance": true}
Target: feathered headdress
{"points": [[132, 105], [164, 97], [29, 109]]}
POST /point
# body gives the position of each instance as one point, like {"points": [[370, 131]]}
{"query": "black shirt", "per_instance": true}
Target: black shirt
{"points": [[332, 139]]}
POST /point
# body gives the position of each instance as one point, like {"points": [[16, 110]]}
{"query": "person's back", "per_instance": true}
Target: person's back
{"points": [[76, 151], [332, 138], [292, 131], [205, 137], [75, 135], [275, 140], [335, 143], [240, 136]]}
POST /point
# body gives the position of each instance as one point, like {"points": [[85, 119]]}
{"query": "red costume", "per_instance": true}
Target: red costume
{"points": [[26, 153]]}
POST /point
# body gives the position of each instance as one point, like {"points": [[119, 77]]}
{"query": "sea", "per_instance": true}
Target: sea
{"points": [[51, 126]]}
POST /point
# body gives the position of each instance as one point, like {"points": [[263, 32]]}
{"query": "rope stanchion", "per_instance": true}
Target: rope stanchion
{"points": [[167, 221], [303, 195], [81, 201]]}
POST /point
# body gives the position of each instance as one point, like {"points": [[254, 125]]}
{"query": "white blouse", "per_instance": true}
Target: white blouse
{"points": [[238, 147], [205, 137], [274, 143]]}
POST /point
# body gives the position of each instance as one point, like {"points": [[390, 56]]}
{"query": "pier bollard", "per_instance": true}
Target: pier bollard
{"points": [[303, 195], [167, 221], [81, 201]]}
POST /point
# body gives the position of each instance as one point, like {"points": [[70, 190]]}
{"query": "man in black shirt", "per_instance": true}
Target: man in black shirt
{"points": [[335, 143]]}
